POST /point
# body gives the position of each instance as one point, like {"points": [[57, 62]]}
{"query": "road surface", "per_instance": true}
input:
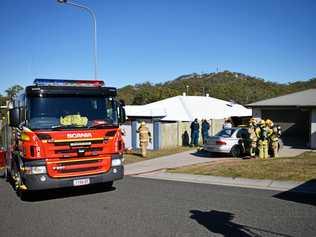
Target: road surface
{"points": [[144, 207]]}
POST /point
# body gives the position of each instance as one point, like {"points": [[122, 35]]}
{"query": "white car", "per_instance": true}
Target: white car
{"points": [[234, 141], [228, 140]]}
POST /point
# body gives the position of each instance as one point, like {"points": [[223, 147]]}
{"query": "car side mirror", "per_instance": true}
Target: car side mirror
{"points": [[14, 117]]}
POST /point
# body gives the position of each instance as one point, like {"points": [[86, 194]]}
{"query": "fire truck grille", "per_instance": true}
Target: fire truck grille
{"points": [[77, 170], [62, 168], [88, 149], [86, 141]]}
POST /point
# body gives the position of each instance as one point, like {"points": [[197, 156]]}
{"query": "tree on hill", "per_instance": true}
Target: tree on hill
{"points": [[224, 85]]}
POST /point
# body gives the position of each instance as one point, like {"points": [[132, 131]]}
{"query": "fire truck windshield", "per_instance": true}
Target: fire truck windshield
{"points": [[68, 112]]}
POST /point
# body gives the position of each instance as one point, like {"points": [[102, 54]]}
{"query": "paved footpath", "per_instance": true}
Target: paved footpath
{"points": [[171, 161]]}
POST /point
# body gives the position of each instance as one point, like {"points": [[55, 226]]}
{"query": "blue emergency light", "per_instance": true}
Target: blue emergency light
{"points": [[61, 82]]}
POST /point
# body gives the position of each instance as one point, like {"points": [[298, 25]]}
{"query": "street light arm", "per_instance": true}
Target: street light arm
{"points": [[83, 7], [92, 14]]}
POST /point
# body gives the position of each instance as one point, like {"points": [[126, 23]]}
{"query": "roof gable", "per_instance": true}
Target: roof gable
{"points": [[301, 98]]}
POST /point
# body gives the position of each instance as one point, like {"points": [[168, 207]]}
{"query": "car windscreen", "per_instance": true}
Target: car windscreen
{"points": [[71, 111], [228, 132]]}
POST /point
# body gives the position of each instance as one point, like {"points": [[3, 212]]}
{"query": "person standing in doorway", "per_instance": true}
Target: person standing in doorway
{"points": [[144, 138], [205, 129], [195, 128]]}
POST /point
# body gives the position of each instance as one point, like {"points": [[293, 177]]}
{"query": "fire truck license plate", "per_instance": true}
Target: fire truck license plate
{"points": [[79, 182]]}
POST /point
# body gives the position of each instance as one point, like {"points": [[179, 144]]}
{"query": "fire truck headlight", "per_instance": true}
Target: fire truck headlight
{"points": [[116, 162], [35, 170]]}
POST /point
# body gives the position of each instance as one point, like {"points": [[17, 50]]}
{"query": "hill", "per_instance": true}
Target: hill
{"points": [[224, 85]]}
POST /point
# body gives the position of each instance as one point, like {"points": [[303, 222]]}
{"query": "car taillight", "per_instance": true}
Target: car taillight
{"points": [[220, 142]]}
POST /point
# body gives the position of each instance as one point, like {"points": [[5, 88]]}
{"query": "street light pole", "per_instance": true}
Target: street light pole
{"points": [[92, 14]]}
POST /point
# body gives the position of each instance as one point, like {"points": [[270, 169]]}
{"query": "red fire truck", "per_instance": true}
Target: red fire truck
{"points": [[64, 133]]}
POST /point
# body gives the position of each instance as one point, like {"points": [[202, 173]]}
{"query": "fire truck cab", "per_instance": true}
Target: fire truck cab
{"points": [[64, 133]]}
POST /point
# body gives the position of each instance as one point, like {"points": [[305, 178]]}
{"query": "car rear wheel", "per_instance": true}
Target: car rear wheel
{"points": [[235, 151]]}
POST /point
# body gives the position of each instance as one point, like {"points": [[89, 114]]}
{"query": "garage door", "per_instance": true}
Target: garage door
{"points": [[295, 125]]}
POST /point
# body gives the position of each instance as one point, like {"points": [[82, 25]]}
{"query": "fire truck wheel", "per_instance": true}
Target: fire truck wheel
{"points": [[18, 186], [18, 180], [108, 184]]}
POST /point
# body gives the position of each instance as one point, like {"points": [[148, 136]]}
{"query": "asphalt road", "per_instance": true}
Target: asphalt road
{"points": [[143, 207]]}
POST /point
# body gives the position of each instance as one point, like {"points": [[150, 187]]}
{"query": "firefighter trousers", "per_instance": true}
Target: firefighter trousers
{"points": [[275, 146], [263, 149], [143, 147]]}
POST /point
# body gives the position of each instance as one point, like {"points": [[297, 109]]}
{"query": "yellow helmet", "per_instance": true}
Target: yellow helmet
{"points": [[262, 122], [269, 122], [142, 123]]}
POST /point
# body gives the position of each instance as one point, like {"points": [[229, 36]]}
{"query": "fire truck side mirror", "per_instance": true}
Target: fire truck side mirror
{"points": [[122, 102], [122, 114], [14, 117]]}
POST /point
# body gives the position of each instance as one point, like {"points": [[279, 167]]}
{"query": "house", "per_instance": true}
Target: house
{"points": [[169, 119], [296, 113]]}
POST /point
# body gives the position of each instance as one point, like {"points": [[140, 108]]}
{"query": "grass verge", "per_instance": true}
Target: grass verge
{"points": [[299, 168], [135, 156]]}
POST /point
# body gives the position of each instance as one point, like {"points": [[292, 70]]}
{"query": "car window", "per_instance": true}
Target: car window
{"points": [[228, 132]]}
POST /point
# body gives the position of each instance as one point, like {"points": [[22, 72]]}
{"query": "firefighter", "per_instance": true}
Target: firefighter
{"points": [[273, 135], [252, 137], [144, 138], [262, 136]]}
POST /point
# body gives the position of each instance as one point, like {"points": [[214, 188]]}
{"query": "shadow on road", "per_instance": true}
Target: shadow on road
{"points": [[222, 223], [38, 196], [297, 194]]}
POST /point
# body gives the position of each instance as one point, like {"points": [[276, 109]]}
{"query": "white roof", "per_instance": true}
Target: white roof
{"points": [[187, 108], [144, 111]]}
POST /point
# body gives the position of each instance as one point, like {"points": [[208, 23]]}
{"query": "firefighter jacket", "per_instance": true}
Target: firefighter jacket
{"points": [[273, 134], [144, 134], [252, 133], [262, 133]]}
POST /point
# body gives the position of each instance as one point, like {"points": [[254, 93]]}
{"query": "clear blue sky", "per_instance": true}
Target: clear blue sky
{"points": [[156, 41]]}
